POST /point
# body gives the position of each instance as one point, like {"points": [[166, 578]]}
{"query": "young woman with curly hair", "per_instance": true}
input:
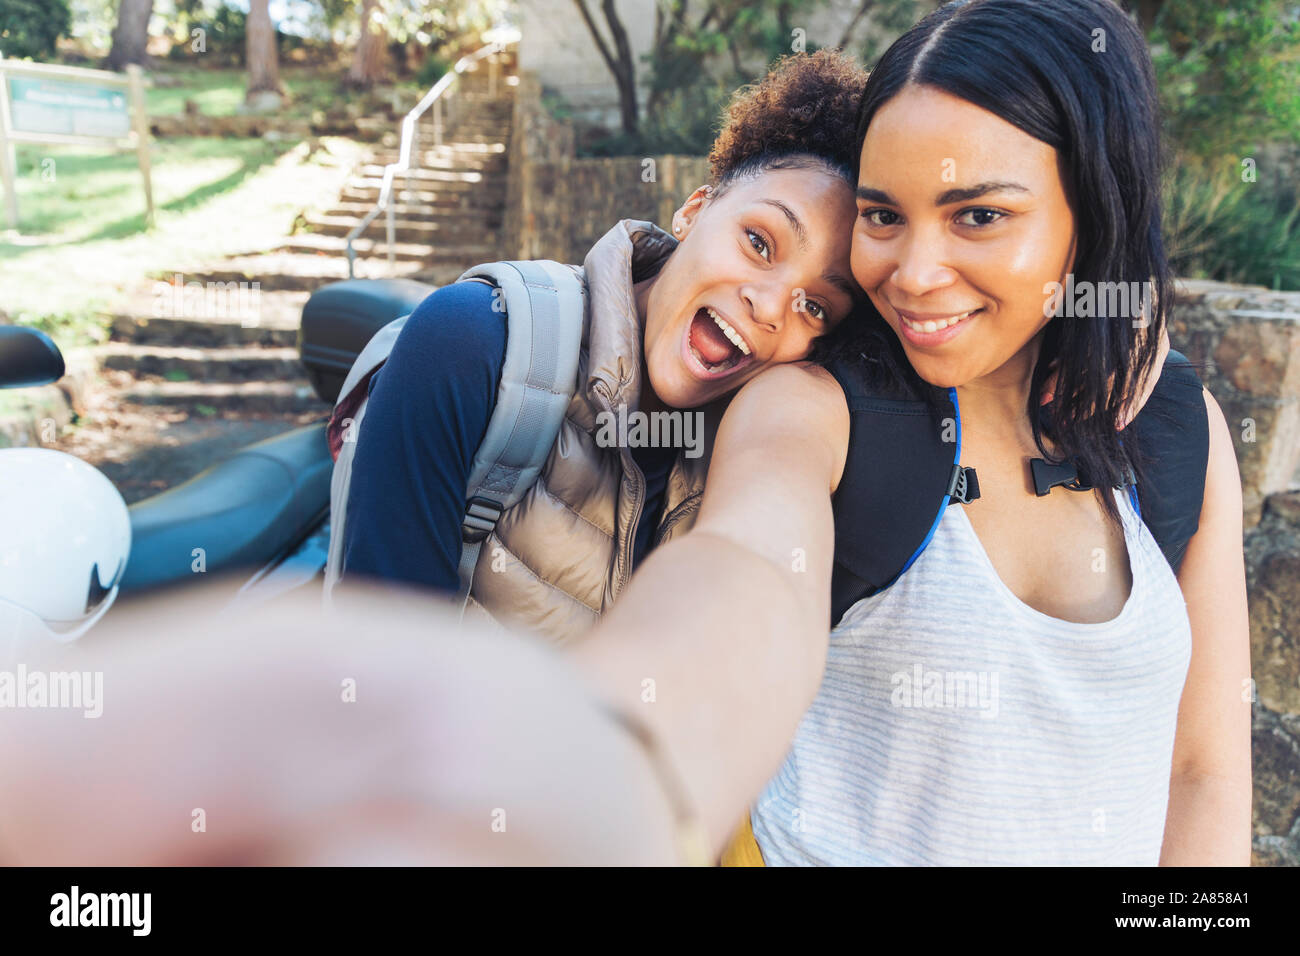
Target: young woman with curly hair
{"points": [[770, 236]]}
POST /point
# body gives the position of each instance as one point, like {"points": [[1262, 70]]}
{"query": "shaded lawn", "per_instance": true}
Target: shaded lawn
{"points": [[214, 197], [221, 92], [73, 194]]}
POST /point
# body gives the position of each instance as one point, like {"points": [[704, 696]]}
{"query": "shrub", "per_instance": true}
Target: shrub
{"points": [[31, 28], [1219, 227]]}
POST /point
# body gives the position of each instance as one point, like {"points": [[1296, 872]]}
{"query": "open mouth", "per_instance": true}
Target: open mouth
{"points": [[715, 345]]}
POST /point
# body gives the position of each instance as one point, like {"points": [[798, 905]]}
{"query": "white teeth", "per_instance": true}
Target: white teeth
{"points": [[732, 335], [934, 325]]}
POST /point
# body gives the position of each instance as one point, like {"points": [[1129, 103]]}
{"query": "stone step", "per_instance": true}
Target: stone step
{"points": [[181, 364], [433, 158], [490, 194], [457, 132], [310, 243], [482, 138], [462, 230], [440, 209], [440, 178], [202, 320], [285, 270], [291, 396], [469, 90], [363, 199], [439, 275], [373, 245], [460, 126]]}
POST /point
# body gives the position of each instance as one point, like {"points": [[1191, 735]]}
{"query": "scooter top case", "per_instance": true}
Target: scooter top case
{"points": [[340, 318]]}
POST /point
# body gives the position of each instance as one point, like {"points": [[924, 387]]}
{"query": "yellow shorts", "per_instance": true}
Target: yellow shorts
{"points": [[743, 849]]}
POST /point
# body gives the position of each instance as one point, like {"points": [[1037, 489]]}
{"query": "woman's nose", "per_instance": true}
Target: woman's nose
{"points": [[920, 267], [768, 303]]}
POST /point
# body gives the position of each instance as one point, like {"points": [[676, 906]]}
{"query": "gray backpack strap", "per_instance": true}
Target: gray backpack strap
{"points": [[545, 307], [371, 358]]}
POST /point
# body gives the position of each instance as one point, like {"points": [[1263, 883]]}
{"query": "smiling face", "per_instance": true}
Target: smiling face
{"points": [[761, 271], [962, 221]]}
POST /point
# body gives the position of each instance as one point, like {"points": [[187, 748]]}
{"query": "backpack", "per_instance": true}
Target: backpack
{"points": [[545, 305], [887, 506]]}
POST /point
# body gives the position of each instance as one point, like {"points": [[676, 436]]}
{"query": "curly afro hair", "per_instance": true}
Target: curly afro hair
{"points": [[806, 107]]}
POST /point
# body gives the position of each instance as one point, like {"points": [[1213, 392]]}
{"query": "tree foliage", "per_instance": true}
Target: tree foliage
{"points": [[1229, 76], [31, 28]]}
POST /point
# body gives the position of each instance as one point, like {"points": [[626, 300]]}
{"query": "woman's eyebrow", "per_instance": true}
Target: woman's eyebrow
{"points": [[876, 195], [800, 232], [946, 198], [974, 192]]}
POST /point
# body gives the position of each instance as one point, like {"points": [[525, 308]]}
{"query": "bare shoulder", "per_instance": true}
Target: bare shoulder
{"points": [[1217, 541], [1222, 479], [798, 391], [796, 408]]}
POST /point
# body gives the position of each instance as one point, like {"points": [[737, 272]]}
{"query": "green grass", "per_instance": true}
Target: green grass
{"points": [[221, 92], [71, 194], [82, 243]]}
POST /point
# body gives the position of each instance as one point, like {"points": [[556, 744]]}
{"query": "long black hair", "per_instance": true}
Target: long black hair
{"points": [[1076, 75]]}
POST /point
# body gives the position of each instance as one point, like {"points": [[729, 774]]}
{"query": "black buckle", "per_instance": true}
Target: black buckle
{"points": [[963, 485], [1047, 475], [481, 516]]}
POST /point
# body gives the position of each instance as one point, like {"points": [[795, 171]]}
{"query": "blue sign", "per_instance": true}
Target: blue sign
{"points": [[71, 109]]}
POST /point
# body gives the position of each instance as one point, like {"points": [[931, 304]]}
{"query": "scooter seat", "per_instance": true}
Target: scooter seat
{"points": [[241, 512]]}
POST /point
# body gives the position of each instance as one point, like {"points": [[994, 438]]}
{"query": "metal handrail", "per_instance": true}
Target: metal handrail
{"points": [[403, 165]]}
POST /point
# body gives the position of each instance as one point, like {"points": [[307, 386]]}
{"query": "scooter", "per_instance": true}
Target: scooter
{"points": [[262, 511]]}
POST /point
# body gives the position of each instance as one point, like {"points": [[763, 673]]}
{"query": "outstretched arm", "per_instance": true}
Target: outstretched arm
{"points": [[719, 642], [275, 735]]}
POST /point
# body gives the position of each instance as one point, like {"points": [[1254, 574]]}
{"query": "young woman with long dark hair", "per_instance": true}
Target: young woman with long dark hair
{"points": [[1009, 150]]}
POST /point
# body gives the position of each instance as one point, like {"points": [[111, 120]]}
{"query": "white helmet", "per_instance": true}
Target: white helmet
{"points": [[64, 539]]}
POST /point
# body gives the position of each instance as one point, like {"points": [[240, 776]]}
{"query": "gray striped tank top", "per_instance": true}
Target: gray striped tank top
{"points": [[956, 725]]}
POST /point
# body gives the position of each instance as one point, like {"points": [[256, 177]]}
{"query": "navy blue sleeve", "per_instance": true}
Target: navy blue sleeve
{"points": [[428, 412]]}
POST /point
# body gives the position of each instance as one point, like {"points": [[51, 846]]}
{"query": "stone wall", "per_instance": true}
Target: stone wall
{"points": [[1245, 339], [1273, 581], [557, 206], [1248, 341]]}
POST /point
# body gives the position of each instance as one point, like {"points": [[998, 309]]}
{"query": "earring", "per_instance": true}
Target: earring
{"points": [[677, 228]]}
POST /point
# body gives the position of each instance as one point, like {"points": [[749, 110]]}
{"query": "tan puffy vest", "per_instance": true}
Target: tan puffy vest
{"points": [[560, 557]]}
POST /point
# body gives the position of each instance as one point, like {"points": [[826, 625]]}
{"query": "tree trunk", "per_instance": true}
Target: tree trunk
{"points": [[370, 64], [620, 61], [863, 10], [262, 58], [131, 35]]}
